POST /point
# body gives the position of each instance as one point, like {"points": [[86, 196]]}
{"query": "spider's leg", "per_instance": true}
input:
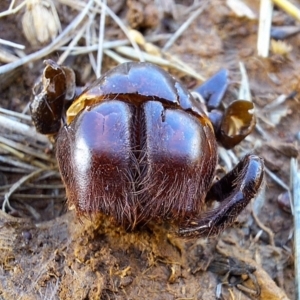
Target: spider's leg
{"points": [[234, 191]]}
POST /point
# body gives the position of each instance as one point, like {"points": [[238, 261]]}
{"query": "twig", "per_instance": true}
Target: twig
{"points": [[15, 186], [11, 44], [265, 135], [184, 26], [264, 228], [55, 44], [281, 183], [125, 30], [12, 10]]}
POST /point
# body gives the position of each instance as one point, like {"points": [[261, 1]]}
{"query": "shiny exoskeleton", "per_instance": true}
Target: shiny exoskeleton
{"points": [[138, 147]]}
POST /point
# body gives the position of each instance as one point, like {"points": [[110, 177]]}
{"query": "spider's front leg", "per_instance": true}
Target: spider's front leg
{"points": [[234, 191]]}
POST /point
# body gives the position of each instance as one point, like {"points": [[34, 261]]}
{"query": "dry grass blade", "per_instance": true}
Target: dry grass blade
{"points": [[289, 8], [63, 38], [12, 10], [33, 185], [185, 25], [279, 100], [264, 29], [264, 228], [78, 50], [101, 39], [15, 186], [124, 29], [23, 158], [280, 183], [6, 56], [23, 129], [70, 47], [26, 149], [244, 92], [176, 64], [90, 34], [241, 9], [12, 161], [15, 114], [30, 197], [11, 44], [295, 176], [116, 57]]}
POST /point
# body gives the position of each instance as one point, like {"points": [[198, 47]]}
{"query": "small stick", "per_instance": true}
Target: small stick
{"points": [[12, 10], [289, 8], [264, 228], [184, 26], [295, 176]]}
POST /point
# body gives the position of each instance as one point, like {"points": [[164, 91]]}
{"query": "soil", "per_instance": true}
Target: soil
{"points": [[48, 253]]}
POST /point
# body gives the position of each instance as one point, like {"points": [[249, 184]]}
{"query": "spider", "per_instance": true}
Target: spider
{"points": [[138, 147]]}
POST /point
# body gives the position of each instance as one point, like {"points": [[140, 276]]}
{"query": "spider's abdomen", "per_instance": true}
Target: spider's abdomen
{"points": [[139, 154]]}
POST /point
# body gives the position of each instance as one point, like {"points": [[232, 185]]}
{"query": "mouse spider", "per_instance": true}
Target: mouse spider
{"points": [[137, 146]]}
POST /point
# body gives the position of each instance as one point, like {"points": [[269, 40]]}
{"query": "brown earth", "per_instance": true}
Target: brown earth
{"points": [[56, 256]]}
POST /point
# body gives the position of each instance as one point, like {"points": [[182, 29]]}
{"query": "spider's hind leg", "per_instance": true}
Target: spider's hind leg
{"points": [[234, 191]]}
